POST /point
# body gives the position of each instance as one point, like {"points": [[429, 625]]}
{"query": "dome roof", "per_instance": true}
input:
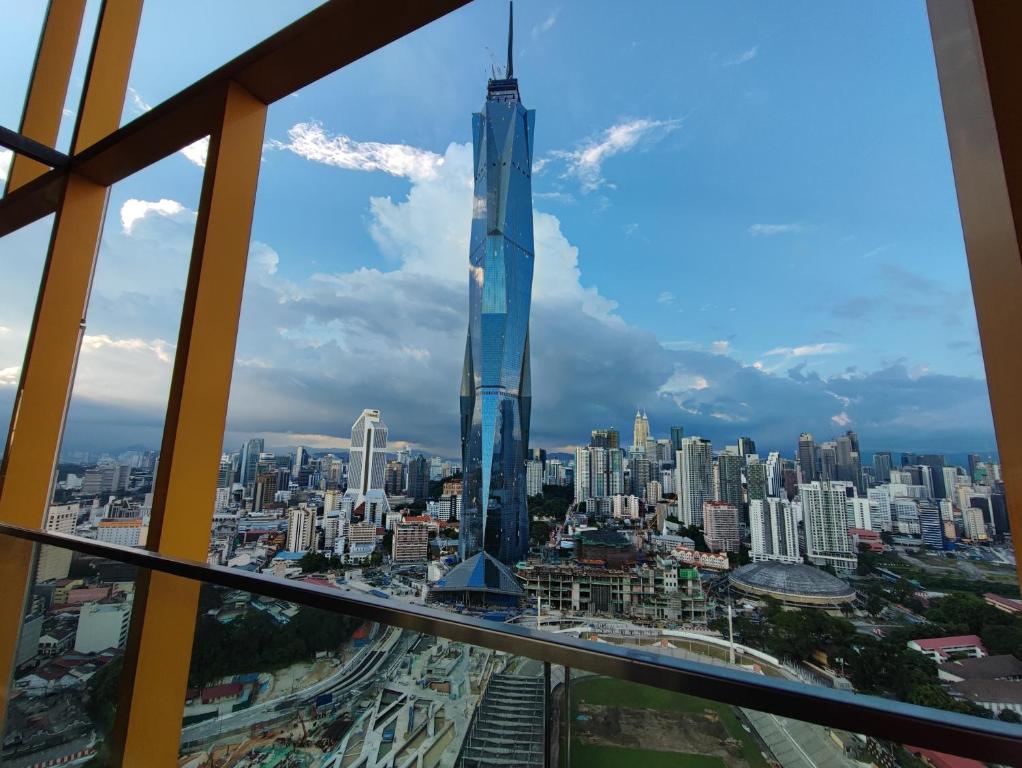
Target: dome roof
{"points": [[793, 582]]}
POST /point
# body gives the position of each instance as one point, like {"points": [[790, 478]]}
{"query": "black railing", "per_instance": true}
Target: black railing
{"points": [[983, 739]]}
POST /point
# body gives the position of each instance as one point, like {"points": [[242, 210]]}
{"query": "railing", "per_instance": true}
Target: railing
{"points": [[989, 740]]}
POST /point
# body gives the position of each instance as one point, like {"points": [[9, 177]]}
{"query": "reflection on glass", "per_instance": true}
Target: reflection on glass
{"points": [[271, 680], [70, 655]]}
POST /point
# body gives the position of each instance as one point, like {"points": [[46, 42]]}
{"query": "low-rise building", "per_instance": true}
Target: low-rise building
{"points": [[943, 649]]}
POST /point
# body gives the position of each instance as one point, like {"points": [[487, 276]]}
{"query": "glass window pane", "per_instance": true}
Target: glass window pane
{"points": [[64, 691]]}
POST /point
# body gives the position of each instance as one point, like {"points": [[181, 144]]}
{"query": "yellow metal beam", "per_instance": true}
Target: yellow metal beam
{"points": [[160, 642], [47, 91], [48, 373], [979, 67], [41, 402]]}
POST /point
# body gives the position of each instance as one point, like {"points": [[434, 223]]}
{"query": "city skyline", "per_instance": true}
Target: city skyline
{"points": [[653, 206]]}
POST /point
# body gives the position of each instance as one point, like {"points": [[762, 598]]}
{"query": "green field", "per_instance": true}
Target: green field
{"points": [[618, 693], [614, 757]]}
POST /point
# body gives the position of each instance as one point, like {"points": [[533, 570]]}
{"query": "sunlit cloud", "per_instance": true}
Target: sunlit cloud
{"points": [[546, 25], [6, 156], [808, 350], [586, 162], [312, 142], [133, 211]]}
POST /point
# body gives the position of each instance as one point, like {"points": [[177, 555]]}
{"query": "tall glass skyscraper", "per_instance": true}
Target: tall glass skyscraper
{"points": [[496, 396]]}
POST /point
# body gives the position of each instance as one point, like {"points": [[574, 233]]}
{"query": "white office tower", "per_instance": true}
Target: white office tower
{"points": [[667, 480], [301, 527], [367, 462], [597, 473], [533, 478], [880, 509], [696, 474], [826, 518], [582, 474], [859, 513], [774, 530]]}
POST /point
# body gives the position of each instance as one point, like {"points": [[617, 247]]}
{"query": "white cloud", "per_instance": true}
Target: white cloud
{"points": [[743, 57], [842, 419], [196, 152], [311, 141], [776, 229], [721, 347], [129, 372], [666, 297], [428, 234], [586, 162], [808, 350], [133, 211], [546, 25], [6, 156], [10, 376], [137, 102]]}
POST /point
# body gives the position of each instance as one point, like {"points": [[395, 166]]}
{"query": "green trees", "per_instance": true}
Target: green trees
{"points": [[256, 643]]}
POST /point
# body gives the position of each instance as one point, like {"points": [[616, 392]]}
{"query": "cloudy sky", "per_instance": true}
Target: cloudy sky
{"points": [[745, 224]]}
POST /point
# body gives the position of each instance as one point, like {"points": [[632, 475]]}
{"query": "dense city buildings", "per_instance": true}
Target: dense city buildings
{"points": [[496, 396]]}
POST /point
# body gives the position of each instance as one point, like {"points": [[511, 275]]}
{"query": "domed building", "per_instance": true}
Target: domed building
{"points": [[793, 584]]}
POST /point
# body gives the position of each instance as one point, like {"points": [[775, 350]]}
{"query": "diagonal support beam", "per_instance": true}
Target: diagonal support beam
{"points": [[159, 649]]}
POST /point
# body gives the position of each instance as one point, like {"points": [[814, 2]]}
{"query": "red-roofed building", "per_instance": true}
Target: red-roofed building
{"points": [[942, 760], [1006, 604], [867, 537], [942, 649], [216, 693]]}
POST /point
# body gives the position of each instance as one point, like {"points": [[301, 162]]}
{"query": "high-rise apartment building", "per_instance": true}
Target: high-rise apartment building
{"points": [[882, 466], [582, 474], [301, 527], [367, 461], [418, 478], [807, 457], [534, 478], [394, 478], [54, 562], [774, 530], [496, 391], [677, 434], [720, 525], [605, 438], [824, 511], [695, 469], [756, 479], [410, 543], [728, 484]]}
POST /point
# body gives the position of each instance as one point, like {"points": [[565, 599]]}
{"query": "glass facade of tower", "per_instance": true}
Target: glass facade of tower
{"points": [[495, 389]]}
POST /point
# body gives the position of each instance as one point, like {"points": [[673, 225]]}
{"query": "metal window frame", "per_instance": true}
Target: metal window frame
{"points": [[979, 68]]}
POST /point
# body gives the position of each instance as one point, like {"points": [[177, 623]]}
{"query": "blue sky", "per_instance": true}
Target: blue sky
{"points": [[746, 224]]}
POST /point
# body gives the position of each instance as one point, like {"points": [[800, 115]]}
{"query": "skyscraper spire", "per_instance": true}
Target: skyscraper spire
{"points": [[510, 40]]}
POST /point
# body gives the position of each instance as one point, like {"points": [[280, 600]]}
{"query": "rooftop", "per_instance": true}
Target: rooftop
{"points": [[984, 668], [791, 579]]}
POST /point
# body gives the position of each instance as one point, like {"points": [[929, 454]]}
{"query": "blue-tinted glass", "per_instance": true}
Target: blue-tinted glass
{"points": [[495, 397]]}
